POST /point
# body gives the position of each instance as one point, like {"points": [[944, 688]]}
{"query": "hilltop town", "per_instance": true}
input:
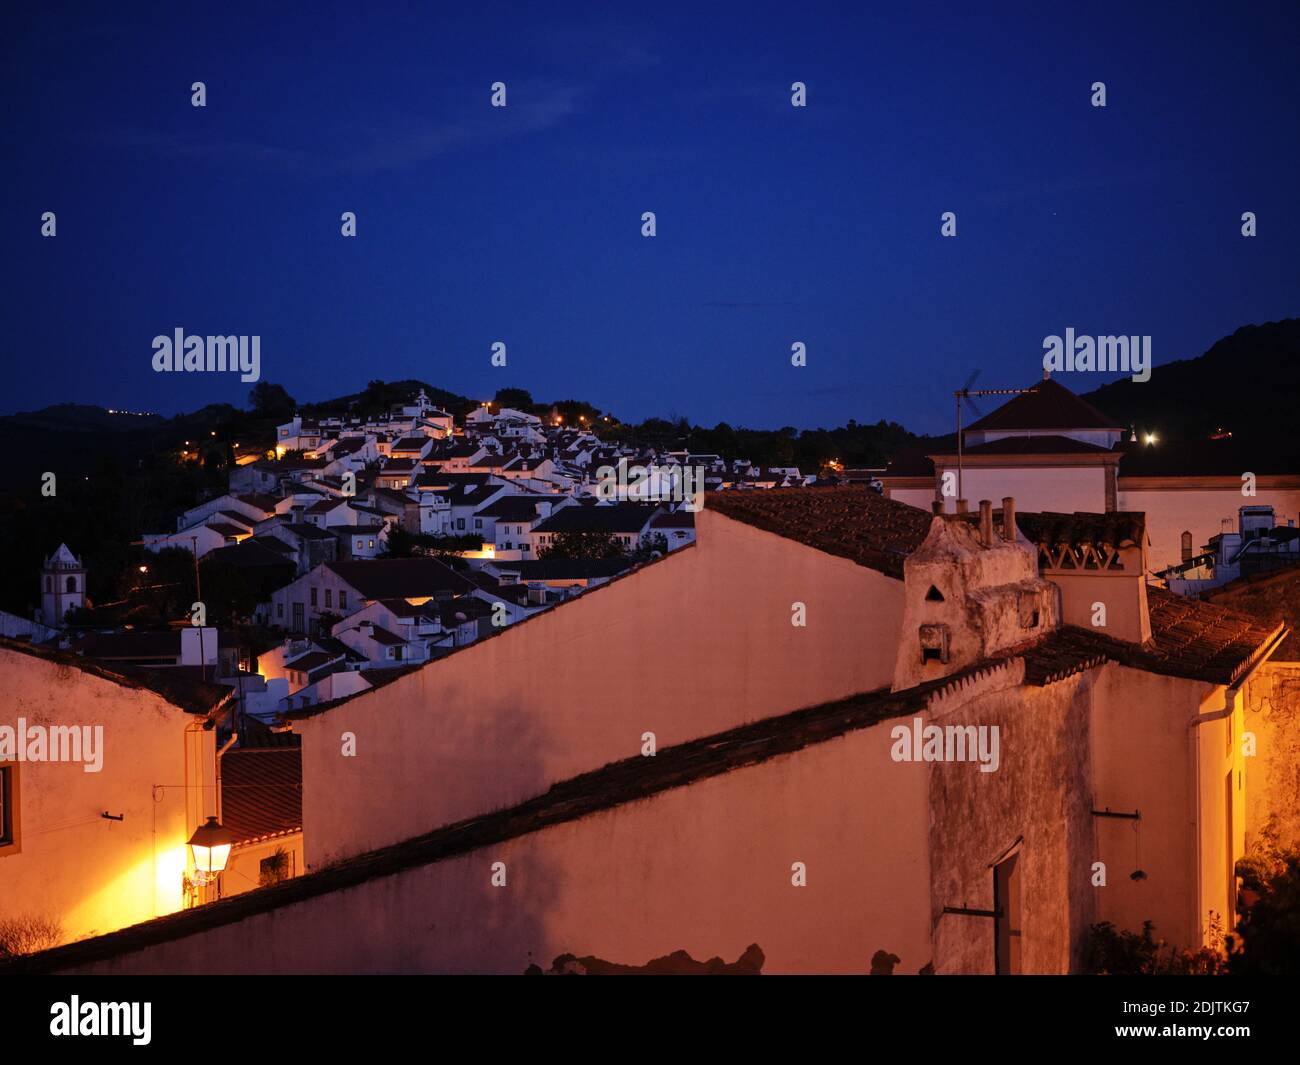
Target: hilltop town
{"points": [[501, 620]]}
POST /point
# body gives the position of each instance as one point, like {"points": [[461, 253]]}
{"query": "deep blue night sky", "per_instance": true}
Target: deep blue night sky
{"points": [[775, 224]]}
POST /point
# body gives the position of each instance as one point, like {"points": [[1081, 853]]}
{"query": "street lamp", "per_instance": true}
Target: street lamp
{"points": [[210, 846]]}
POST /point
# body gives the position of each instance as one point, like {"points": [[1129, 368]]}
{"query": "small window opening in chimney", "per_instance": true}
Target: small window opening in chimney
{"points": [[934, 643], [934, 595], [1028, 610]]}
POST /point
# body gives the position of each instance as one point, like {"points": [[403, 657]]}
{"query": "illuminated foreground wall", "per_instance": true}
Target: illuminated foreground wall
{"points": [[69, 863]]}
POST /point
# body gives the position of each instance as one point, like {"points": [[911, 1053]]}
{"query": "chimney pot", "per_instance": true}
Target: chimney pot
{"points": [[962, 507], [936, 506], [1009, 518], [986, 522]]}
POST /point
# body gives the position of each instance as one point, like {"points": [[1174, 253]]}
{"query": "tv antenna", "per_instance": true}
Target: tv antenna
{"points": [[968, 394]]}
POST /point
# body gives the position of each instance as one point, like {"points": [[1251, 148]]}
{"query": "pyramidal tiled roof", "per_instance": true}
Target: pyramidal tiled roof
{"points": [[64, 556], [1049, 405]]}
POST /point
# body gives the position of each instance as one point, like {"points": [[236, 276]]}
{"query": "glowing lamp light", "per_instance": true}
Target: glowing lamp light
{"points": [[210, 846], [1151, 438]]}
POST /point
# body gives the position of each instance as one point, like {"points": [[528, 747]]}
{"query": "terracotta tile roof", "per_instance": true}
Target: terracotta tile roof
{"points": [[1054, 530], [1049, 406], [261, 790], [1118, 528], [1189, 638], [1273, 596], [850, 521], [1203, 640]]}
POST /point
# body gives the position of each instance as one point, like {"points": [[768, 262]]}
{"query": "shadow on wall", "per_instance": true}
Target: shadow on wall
{"points": [[678, 963]]}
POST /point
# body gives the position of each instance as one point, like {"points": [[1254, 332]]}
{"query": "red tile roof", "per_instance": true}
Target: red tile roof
{"points": [[261, 791], [852, 522], [1189, 638], [1116, 528], [1273, 596], [1049, 406]]}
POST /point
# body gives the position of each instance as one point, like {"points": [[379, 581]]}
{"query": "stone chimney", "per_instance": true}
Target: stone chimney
{"points": [[969, 595], [1009, 519]]}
